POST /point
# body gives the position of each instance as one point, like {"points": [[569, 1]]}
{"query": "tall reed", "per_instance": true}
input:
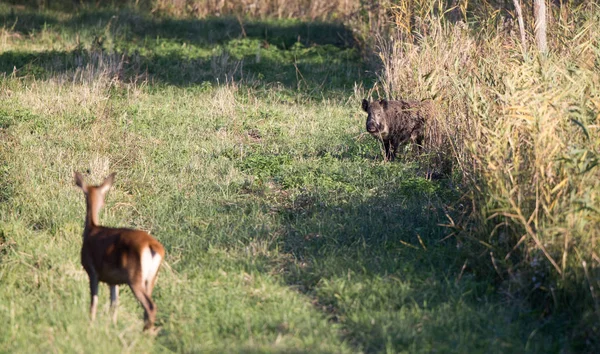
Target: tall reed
{"points": [[523, 134]]}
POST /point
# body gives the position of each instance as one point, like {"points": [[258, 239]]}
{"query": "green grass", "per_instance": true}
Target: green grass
{"points": [[284, 230]]}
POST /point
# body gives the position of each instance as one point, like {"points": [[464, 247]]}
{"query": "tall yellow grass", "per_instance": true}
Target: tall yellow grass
{"points": [[523, 131]]}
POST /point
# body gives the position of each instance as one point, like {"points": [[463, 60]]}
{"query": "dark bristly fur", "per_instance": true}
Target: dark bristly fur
{"points": [[396, 122]]}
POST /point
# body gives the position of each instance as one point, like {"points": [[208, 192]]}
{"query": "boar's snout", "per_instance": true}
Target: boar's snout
{"points": [[372, 126]]}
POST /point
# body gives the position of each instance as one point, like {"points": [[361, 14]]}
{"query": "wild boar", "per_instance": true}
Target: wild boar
{"points": [[396, 122]]}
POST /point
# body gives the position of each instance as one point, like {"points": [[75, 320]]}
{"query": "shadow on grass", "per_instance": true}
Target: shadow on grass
{"points": [[298, 55], [139, 24], [176, 69], [376, 265]]}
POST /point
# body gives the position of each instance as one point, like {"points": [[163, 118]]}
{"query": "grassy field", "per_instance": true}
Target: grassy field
{"points": [[240, 146]]}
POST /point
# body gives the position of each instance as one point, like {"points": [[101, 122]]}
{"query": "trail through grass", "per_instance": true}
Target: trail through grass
{"points": [[239, 147]]}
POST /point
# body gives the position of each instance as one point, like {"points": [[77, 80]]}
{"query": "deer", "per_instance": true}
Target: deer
{"points": [[117, 256]]}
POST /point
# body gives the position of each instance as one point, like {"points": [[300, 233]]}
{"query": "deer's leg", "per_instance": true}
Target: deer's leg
{"points": [[150, 285], [94, 295], [149, 308], [114, 301]]}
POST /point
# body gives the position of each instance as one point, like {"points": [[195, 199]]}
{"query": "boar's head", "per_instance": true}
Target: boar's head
{"points": [[376, 120]]}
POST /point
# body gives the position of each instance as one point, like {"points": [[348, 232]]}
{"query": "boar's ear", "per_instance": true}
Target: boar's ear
{"points": [[365, 105], [384, 104]]}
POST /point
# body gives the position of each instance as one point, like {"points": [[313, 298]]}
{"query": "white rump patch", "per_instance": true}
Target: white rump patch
{"points": [[150, 265]]}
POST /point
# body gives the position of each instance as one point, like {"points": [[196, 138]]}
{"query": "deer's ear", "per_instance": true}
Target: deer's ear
{"points": [[384, 104], [105, 186], [365, 105], [79, 182]]}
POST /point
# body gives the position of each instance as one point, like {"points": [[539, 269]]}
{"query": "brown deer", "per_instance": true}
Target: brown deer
{"points": [[117, 256]]}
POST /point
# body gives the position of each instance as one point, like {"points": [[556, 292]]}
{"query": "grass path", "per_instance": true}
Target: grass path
{"points": [[242, 152]]}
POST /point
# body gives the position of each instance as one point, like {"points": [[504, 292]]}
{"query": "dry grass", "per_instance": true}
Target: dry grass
{"points": [[366, 18], [304, 9], [523, 133]]}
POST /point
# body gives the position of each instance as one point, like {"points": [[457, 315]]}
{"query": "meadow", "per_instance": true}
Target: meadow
{"points": [[239, 143]]}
